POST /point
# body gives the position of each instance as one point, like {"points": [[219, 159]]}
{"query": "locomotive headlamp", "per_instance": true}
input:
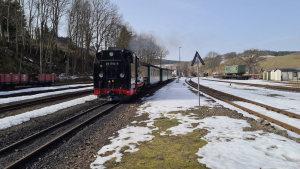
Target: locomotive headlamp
{"points": [[101, 75], [122, 75], [111, 53]]}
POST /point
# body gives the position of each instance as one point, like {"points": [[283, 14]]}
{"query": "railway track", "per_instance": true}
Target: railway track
{"points": [[259, 85], [40, 101], [16, 160], [38, 92], [222, 96]]}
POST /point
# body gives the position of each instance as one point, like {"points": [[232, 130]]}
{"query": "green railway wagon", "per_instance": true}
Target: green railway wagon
{"points": [[236, 69]]}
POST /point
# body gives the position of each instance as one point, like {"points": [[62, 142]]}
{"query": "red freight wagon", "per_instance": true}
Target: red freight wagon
{"points": [[1, 79], [15, 78], [7, 78], [42, 78], [24, 78], [48, 78], [53, 77]]}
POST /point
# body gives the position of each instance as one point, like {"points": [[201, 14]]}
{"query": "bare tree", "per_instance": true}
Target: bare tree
{"points": [[163, 52], [251, 58], [232, 58], [2, 22], [213, 60], [8, 20], [147, 48], [32, 14], [57, 11]]}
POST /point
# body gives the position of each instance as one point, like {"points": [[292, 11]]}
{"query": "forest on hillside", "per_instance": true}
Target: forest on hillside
{"points": [[30, 42], [279, 53]]}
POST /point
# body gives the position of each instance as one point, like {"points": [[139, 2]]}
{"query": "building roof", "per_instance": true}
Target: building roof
{"points": [[289, 69]]}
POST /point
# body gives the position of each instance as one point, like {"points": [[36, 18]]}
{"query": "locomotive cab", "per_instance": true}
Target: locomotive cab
{"points": [[117, 74]]}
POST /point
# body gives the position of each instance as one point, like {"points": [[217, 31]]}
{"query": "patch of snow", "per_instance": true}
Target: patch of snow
{"points": [[230, 147], [21, 118], [19, 98], [128, 135], [268, 56], [42, 89]]}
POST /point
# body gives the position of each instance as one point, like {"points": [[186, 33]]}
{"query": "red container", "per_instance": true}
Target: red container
{"points": [[15, 78], [24, 78], [52, 77], [48, 77], [1, 78], [42, 78], [55, 77], [7, 78]]}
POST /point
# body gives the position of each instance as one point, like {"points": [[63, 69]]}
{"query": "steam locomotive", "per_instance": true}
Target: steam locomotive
{"points": [[119, 74]]}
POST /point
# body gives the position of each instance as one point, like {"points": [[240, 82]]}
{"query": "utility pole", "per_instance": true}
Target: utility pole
{"points": [[179, 67]]}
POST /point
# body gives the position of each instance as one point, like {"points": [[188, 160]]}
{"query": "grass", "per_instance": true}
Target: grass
{"points": [[165, 151], [288, 61]]}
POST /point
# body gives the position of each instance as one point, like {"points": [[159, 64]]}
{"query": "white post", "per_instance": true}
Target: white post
{"points": [[198, 81]]}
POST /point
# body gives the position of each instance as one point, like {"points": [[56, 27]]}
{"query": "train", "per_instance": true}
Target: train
{"points": [[235, 72], [119, 74], [12, 80]]}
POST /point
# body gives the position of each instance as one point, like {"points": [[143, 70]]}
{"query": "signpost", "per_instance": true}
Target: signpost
{"points": [[198, 57]]}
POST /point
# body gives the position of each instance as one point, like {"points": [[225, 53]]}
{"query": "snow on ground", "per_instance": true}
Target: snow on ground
{"points": [[229, 147], [260, 110], [241, 149], [62, 76], [21, 118], [286, 100], [19, 98], [42, 89], [254, 81]]}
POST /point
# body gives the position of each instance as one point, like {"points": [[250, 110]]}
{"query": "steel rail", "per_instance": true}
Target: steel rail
{"points": [[290, 114], [259, 85], [33, 153], [284, 125], [45, 100], [26, 139]]}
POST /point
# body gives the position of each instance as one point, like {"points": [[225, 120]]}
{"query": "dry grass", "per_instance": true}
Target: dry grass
{"points": [[164, 151], [288, 61]]}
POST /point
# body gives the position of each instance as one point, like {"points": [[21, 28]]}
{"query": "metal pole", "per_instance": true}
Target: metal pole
{"points": [[179, 62], [198, 81]]}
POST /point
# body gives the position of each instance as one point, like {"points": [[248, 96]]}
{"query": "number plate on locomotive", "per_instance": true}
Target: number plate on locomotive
{"points": [[112, 63]]}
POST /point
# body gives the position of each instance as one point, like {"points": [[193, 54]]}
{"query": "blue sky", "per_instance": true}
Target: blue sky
{"points": [[216, 25]]}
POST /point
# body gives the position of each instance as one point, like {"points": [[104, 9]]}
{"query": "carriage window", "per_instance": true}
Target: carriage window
{"points": [[295, 74]]}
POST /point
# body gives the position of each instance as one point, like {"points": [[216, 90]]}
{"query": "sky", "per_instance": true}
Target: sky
{"points": [[216, 25]]}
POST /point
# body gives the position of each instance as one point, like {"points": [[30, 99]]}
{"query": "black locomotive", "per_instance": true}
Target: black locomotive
{"points": [[118, 74]]}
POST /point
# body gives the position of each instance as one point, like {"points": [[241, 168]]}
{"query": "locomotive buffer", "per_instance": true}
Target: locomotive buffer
{"points": [[198, 57]]}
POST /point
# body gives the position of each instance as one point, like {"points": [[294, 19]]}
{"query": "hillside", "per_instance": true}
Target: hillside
{"points": [[288, 61], [10, 63]]}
